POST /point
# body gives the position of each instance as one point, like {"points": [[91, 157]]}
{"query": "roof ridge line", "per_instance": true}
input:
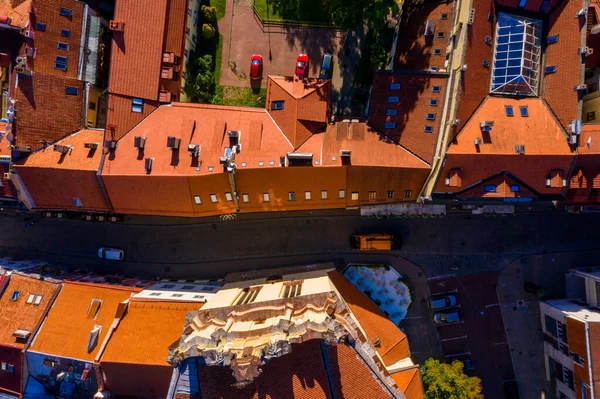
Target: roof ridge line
{"points": [[102, 285], [397, 143]]}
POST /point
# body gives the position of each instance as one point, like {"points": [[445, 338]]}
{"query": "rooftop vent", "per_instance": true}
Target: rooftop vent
{"points": [[575, 126], [282, 160], [21, 148], [148, 164], [173, 142], [573, 139], [22, 334], [139, 142], [487, 124], [63, 149], [345, 153], [477, 141], [234, 137], [520, 149], [116, 26], [488, 40], [111, 144], [581, 87], [299, 158], [93, 338], [471, 16], [430, 27], [194, 150], [91, 146]]}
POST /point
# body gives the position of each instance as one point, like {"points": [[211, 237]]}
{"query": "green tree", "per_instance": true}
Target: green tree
{"points": [[347, 14], [203, 88], [208, 31], [448, 381], [209, 14]]}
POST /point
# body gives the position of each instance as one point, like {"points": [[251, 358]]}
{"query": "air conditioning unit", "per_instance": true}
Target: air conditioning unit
{"points": [[471, 16], [581, 87], [4, 158], [139, 142], [116, 26], [91, 146], [477, 141], [486, 124], [148, 164], [173, 142], [194, 150], [63, 149], [345, 153], [520, 149], [573, 139], [28, 34]]}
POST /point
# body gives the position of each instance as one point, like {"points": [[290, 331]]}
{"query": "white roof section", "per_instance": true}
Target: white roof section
{"points": [[576, 309], [182, 290]]}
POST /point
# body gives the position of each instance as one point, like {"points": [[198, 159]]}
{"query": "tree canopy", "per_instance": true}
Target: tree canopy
{"points": [[347, 14], [448, 381], [203, 88]]}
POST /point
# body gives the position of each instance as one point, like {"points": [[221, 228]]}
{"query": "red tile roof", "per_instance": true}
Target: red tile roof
{"points": [[559, 86], [130, 368], [45, 42], [175, 26], [409, 381], [415, 50], [306, 106], [54, 179], [136, 53], [19, 314], [120, 119], [412, 108], [7, 188], [44, 111], [18, 13], [393, 345], [544, 152], [73, 315]]}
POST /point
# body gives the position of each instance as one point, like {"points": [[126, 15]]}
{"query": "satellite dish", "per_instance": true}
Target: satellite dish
{"points": [[595, 29]]}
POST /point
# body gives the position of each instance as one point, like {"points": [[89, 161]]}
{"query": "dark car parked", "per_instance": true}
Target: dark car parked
{"points": [[326, 67]]}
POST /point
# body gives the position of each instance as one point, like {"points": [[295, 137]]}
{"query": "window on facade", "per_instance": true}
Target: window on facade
{"points": [[15, 295], [38, 300], [65, 12], [341, 194], [372, 195], [30, 299], [228, 197], [291, 196], [393, 99], [390, 125], [213, 198], [515, 188], [431, 116], [395, 86], [266, 197], [247, 295], [354, 196], [444, 16], [291, 289], [11, 368], [524, 111], [277, 105], [72, 91], [60, 63], [391, 112], [591, 116], [390, 194], [40, 26], [516, 55], [137, 105], [428, 129], [245, 198], [508, 109], [307, 195], [440, 35], [407, 193], [550, 323], [323, 194], [584, 390], [433, 103], [437, 51], [489, 188], [65, 33], [197, 200], [436, 89], [62, 46]]}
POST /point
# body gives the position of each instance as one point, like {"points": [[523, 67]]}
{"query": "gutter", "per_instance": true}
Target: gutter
{"points": [[116, 321], [589, 359]]}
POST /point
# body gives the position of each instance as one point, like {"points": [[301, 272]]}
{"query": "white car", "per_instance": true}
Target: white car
{"points": [[111, 253]]}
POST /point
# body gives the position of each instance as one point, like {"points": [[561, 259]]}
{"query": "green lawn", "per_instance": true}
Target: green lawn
{"points": [[220, 5], [299, 11], [244, 97]]}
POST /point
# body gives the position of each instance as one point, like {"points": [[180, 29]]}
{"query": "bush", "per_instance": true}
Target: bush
{"points": [[209, 14], [208, 31]]}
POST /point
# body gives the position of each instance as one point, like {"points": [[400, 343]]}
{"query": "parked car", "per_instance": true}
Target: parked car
{"points": [[442, 302], [326, 67], [301, 65], [376, 242], [111, 253], [447, 317], [256, 64]]}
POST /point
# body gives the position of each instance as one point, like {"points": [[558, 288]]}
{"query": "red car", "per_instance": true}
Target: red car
{"points": [[301, 65], [256, 67]]}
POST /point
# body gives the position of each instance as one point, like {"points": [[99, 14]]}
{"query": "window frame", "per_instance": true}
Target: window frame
{"points": [[197, 200], [342, 193], [390, 194], [65, 12], [407, 193], [308, 195], [324, 195], [228, 197], [389, 125], [391, 112], [214, 198], [137, 105], [291, 196], [245, 198], [393, 99], [372, 195], [266, 197], [354, 196], [65, 32], [40, 26]]}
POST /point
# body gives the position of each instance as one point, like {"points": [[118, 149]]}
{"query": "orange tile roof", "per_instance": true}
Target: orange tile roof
{"points": [[7, 189], [66, 330], [175, 26], [19, 15], [130, 368], [393, 343], [415, 50], [306, 106], [119, 117], [502, 184], [585, 180], [559, 86], [19, 314], [136, 53], [44, 111], [54, 179], [409, 381], [46, 11], [412, 109]]}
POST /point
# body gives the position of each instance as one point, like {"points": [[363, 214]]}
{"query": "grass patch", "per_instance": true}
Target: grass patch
{"points": [[244, 96], [221, 6], [298, 11]]}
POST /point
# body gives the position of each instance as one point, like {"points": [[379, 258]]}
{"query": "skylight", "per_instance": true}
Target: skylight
{"points": [[516, 56]]}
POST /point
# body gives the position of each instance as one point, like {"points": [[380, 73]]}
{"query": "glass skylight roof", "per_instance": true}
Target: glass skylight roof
{"points": [[516, 55]]}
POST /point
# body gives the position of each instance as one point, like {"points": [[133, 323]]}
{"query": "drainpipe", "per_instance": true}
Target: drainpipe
{"points": [[236, 200], [589, 359]]}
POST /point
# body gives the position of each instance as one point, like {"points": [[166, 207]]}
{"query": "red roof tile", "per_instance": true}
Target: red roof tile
{"points": [[409, 381], [175, 26], [415, 50], [412, 107], [559, 86], [44, 111], [120, 119], [18, 13], [136, 53], [7, 188], [54, 180]]}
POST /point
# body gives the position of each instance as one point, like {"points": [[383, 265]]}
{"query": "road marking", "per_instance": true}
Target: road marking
{"points": [[500, 343], [413, 317], [441, 277], [444, 292], [492, 304], [458, 354], [453, 339]]}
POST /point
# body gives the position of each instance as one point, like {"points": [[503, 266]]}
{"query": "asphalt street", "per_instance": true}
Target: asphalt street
{"points": [[455, 244]]}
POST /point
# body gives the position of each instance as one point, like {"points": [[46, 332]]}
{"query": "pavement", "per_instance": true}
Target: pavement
{"points": [[244, 35]]}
